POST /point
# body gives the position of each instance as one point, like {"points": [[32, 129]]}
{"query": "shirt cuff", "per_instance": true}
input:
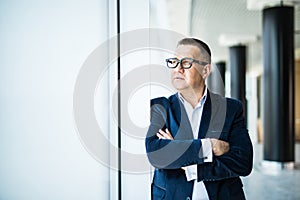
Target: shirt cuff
{"points": [[207, 150], [191, 170]]}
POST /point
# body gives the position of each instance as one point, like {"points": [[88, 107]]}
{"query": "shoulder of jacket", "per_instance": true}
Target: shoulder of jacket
{"points": [[233, 101], [234, 104], [216, 98], [163, 100]]}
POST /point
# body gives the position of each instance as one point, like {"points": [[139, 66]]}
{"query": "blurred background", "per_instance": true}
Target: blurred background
{"points": [[59, 59]]}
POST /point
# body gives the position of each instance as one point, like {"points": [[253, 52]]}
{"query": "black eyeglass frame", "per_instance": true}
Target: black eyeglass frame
{"points": [[180, 61]]}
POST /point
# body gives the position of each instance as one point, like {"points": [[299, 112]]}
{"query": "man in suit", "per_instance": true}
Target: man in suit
{"points": [[197, 141]]}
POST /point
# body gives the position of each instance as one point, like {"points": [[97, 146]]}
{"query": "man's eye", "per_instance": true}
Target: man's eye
{"points": [[172, 61], [186, 62]]}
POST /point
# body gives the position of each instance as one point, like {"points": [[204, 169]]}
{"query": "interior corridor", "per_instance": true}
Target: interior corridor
{"points": [[261, 184]]}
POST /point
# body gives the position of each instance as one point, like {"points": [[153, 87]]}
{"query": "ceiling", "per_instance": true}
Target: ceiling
{"points": [[216, 21], [214, 18]]}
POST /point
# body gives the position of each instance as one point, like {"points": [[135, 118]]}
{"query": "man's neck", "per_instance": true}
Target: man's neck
{"points": [[193, 96]]}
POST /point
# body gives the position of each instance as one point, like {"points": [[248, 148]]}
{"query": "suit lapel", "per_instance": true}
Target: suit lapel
{"points": [[205, 119], [218, 116], [175, 112], [179, 122]]}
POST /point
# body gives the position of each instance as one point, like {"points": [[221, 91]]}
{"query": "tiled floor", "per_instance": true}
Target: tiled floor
{"points": [[283, 186]]}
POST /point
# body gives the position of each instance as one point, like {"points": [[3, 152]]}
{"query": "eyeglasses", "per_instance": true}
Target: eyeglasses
{"points": [[185, 63]]}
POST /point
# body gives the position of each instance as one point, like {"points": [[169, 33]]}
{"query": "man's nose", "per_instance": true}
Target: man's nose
{"points": [[179, 68]]}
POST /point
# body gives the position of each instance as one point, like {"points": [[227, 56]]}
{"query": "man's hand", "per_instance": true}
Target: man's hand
{"points": [[165, 135], [219, 147]]}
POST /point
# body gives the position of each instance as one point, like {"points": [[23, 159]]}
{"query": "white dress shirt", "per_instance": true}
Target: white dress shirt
{"points": [[194, 115]]}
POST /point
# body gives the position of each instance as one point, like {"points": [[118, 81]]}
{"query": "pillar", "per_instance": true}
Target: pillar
{"points": [[216, 80], [278, 84], [237, 56]]}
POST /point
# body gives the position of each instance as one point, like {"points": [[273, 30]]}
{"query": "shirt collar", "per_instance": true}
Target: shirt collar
{"points": [[200, 103]]}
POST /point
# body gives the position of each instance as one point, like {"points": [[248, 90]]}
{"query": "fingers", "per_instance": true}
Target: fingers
{"points": [[164, 134], [168, 132], [214, 144], [219, 147], [159, 136]]}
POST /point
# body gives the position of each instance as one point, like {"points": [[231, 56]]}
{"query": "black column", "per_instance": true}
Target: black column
{"points": [[278, 84], [238, 73], [216, 80], [222, 69]]}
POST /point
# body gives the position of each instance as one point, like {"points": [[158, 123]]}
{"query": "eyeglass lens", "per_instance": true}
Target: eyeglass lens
{"points": [[173, 62]]}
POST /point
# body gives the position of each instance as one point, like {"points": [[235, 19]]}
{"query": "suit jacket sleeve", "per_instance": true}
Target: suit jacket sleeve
{"points": [[238, 161], [169, 154]]}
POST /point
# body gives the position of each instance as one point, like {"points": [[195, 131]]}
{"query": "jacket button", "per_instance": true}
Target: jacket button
{"points": [[188, 198]]}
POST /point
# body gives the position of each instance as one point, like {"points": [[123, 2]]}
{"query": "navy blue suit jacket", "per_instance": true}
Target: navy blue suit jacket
{"points": [[222, 118]]}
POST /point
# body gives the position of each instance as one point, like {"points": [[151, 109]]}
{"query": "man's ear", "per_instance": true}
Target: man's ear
{"points": [[206, 70]]}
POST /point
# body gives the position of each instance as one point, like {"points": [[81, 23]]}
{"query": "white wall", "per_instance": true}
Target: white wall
{"points": [[143, 61], [135, 185], [43, 45]]}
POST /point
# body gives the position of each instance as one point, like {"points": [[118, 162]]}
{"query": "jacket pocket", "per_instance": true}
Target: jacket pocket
{"points": [[221, 135]]}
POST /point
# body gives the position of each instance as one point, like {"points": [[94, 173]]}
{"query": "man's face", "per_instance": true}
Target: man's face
{"points": [[192, 78]]}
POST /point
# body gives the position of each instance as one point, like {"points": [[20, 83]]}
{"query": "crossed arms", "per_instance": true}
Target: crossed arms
{"points": [[219, 147], [232, 158]]}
